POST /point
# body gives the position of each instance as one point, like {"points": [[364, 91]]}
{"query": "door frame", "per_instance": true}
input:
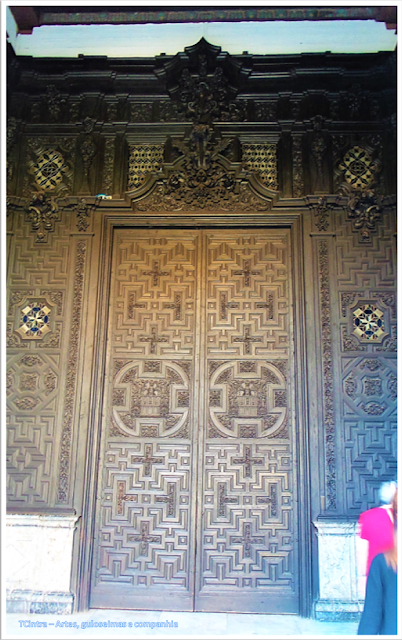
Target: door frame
{"points": [[83, 546]]}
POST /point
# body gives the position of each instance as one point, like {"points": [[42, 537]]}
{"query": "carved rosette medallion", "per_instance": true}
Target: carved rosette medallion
{"points": [[49, 168], [369, 323], [34, 318], [370, 388], [34, 322], [248, 404], [358, 168], [151, 398]]}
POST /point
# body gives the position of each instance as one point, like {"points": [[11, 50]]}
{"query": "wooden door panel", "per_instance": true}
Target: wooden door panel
{"points": [[199, 412], [247, 559], [146, 528]]}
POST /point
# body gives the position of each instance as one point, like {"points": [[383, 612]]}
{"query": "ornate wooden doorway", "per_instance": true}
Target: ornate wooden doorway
{"points": [[197, 482]]}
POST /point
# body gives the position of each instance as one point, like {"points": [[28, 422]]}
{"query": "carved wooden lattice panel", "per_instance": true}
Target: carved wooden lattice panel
{"points": [[146, 530], [37, 408], [247, 559], [199, 335], [367, 349], [145, 515]]}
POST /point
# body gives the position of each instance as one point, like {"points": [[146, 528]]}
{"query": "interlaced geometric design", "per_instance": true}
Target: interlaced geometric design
{"points": [[143, 159], [358, 167], [49, 168], [34, 323], [368, 322], [261, 159], [150, 492], [247, 539]]}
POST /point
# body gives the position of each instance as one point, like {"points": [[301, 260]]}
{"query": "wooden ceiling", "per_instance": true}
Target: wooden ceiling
{"points": [[29, 17]]}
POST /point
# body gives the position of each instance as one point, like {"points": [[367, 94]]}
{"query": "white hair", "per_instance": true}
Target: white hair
{"points": [[386, 492]]}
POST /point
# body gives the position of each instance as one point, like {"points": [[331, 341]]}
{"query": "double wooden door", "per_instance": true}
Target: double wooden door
{"points": [[197, 485]]}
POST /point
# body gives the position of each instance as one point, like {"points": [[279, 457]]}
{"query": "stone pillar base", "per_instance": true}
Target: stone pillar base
{"points": [[37, 563], [338, 578], [338, 610], [29, 601]]}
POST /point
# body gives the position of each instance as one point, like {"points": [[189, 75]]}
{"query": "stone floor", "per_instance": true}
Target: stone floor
{"points": [[211, 625]]}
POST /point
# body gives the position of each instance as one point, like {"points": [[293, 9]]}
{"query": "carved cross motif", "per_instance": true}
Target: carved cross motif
{"points": [[247, 540], [269, 305], [247, 461], [153, 339], [144, 538], [271, 500], [223, 499], [170, 499], [225, 305], [122, 496], [132, 304], [148, 460], [246, 272], [176, 305], [156, 274], [247, 339]]}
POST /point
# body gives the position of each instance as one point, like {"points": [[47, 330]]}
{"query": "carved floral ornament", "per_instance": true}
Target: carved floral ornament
{"points": [[364, 205], [45, 193], [202, 177]]}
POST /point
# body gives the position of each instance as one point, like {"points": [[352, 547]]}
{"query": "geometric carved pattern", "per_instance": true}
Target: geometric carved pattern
{"points": [[247, 540], [37, 273], [152, 273], [368, 322], [247, 275], [144, 520], [261, 159], [358, 167], [48, 169], [151, 399], [246, 402], [371, 458], [32, 383], [142, 160], [366, 279], [34, 321], [145, 540], [369, 392]]}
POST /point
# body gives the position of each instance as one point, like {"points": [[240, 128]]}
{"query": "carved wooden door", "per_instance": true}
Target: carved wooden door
{"points": [[197, 488]]}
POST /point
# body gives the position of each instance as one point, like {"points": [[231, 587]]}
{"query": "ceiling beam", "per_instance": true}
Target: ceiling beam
{"points": [[29, 17]]}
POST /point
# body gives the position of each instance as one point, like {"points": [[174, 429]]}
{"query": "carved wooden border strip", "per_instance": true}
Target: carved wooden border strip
{"points": [[327, 356], [66, 434]]}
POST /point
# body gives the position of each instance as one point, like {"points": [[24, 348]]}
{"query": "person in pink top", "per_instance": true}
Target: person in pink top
{"points": [[375, 533]]}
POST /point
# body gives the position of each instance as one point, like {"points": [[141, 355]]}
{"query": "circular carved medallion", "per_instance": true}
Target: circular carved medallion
{"points": [[151, 398], [248, 399]]}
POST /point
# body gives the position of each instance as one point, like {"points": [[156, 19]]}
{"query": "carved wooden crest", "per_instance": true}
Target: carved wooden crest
{"points": [[203, 83]]}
